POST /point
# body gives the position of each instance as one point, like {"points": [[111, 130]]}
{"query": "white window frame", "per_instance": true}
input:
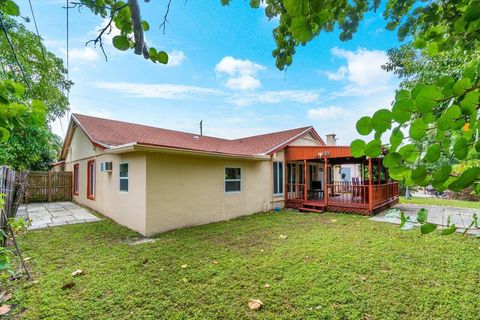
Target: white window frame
{"points": [[232, 180], [124, 178], [277, 178]]}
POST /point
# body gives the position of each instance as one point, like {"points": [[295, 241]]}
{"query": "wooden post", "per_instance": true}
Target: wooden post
{"points": [[305, 196], [370, 186], [379, 170], [285, 186], [49, 186], [325, 183]]}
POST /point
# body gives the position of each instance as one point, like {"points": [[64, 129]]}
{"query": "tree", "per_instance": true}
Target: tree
{"points": [[17, 110], [446, 106], [33, 147]]}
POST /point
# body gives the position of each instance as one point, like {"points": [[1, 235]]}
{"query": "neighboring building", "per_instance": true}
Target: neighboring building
{"points": [[153, 180]]}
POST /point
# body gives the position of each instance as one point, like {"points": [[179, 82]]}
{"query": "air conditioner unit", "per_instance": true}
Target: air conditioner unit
{"points": [[106, 166]]}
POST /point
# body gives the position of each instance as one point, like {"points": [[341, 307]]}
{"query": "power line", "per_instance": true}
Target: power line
{"points": [[15, 54], [38, 34]]}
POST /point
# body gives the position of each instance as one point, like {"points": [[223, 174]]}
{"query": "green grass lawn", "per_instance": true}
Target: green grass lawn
{"points": [[442, 202], [330, 266]]}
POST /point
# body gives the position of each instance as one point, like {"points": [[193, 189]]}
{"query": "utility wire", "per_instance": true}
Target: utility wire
{"points": [[15, 54], [38, 34]]}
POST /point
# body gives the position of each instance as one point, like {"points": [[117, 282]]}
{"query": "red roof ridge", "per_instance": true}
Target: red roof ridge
{"points": [[146, 126], [108, 133]]}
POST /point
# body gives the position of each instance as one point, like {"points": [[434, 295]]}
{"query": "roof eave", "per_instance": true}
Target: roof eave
{"points": [[135, 146], [287, 142]]}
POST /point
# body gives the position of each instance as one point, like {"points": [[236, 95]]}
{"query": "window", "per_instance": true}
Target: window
{"points": [[91, 179], [233, 180], [75, 179], [277, 178], [123, 177]]}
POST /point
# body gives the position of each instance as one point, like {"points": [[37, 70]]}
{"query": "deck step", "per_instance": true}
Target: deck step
{"points": [[318, 209]]}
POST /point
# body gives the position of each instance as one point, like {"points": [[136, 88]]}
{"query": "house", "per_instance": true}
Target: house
{"points": [[153, 180]]}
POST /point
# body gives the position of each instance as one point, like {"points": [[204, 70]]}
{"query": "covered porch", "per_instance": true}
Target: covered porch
{"points": [[329, 178]]}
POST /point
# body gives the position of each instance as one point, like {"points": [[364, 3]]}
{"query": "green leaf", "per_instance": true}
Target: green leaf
{"points": [[11, 8], [402, 110], [470, 102], [364, 126], [373, 149], [466, 179], [461, 85], [443, 174], [419, 43], [422, 215], [121, 42], [4, 134], [409, 152], [145, 25], [432, 49], [296, 7], [419, 174], [162, 57], [460, 148], [427, 98], [428, 228], [403, 219], [301, 29], [433, 153], [477, 146], [418, 129], [450, 230], [382, 120], [357, 148], [396, 138], [447, 119], [392, 160], [472, 12]]}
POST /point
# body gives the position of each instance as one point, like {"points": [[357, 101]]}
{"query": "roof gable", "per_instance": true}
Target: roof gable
{"points": [[107, 133]]}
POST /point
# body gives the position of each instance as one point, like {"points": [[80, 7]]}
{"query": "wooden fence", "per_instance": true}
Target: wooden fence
{"points": [[12, 186], [49, 186]]}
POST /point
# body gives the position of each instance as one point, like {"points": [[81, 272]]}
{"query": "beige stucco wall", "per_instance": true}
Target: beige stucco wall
{"points": [[189, 190], [126, 208], [169, 190], [307, 140]]}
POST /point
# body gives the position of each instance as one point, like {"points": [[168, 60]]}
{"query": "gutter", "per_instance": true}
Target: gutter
{"points": [[135, 146]]}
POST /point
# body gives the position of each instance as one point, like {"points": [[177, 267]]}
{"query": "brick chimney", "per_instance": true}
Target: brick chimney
{"points": [[331, 140]]}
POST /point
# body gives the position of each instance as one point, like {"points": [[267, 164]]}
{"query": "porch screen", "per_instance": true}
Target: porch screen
{"points": [[278, 178]]}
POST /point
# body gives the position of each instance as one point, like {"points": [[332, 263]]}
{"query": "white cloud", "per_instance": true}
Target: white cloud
{"points": [[85, 54], [337, 75], [271, 97], [160, 91], [364, 66], [331, 112], [176, 58], [241, 73], [363, 71]]}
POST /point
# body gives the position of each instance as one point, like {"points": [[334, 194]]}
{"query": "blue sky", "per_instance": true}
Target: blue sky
{"points": [[221, 71]]}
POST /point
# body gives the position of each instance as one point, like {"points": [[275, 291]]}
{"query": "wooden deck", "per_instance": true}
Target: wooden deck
{"points": [[346, 198]]}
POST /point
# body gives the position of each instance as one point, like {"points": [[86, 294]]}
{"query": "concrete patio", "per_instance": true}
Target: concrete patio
{"points": [[52, 214], [461, 217]]}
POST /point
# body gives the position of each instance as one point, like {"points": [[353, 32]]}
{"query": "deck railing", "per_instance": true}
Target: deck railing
{"points": [[340, 192], [384, 192], [347, 193], [295, 191]]}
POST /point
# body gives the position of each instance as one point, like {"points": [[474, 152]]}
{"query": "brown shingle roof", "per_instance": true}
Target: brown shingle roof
{"points": [[111, 133]]}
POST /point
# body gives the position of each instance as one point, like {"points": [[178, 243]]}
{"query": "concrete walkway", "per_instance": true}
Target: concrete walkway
{"points": [[52, 214], [461, 217]]}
